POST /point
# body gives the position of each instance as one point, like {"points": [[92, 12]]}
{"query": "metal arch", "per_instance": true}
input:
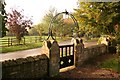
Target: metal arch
{"points": [[50, 25]]}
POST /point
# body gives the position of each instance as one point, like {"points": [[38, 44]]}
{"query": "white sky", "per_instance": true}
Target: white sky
{"points": [[38, 8]]}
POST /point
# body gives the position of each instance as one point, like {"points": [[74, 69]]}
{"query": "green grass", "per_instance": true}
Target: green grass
{"points": [[20, 47], [28, 44], [113, 64], [28, 39]]}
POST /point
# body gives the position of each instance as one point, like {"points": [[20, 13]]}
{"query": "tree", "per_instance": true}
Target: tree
{"points": [[17, 23], [33, 32], [3, 20], [38, 29], [98, 17], [55, 23], [60, 27], [47, 19], [43, 27], [67, 27]]}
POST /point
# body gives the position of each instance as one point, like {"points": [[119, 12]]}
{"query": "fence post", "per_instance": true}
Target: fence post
{"points": [[11, 42], [31, 40], [51, 49], [35, 39], [24, 41], [8, 41], [39, 38]]}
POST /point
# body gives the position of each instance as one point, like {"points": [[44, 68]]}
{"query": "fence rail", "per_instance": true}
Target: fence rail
{"points": [[13, 41]]}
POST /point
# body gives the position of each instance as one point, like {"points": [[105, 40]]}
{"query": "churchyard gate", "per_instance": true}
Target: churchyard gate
{"points": [[66, 51], [66, 55]]}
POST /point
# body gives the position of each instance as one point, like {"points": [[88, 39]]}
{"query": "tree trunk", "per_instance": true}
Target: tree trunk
{"points": [[18, 39]]}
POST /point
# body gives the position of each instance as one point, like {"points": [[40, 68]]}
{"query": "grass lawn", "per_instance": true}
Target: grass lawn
{"points": [[113, 64], [28, 44], [20, 47]]}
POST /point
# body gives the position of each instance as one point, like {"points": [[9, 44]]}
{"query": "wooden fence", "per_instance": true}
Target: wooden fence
{"points": [[13, 41]]}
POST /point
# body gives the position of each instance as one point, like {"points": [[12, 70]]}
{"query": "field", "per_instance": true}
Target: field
{"points": [[10, 41], [29, 42]]}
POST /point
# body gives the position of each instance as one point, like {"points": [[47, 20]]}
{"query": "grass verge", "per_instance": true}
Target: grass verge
{"points": [[20, 47], [113, 64], [27, 46]]}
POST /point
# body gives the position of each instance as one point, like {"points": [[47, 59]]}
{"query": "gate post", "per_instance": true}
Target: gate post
{"points": [[79, 49], [51, 49]]}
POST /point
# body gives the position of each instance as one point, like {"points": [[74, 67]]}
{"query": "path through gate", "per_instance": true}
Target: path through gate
{"points": [[66, 55]]}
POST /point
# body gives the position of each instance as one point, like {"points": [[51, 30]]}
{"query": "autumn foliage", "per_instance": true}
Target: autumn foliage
{"points": [[17, 23]]}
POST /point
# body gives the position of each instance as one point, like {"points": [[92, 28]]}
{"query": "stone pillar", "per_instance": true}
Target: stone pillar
{"points": [[51, 49], [79, 49]]}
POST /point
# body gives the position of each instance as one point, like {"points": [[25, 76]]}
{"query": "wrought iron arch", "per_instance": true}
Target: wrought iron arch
{"points": [[50, 25]]}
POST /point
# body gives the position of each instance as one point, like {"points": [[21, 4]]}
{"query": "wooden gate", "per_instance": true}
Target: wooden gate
{"points": [[66, 55]]}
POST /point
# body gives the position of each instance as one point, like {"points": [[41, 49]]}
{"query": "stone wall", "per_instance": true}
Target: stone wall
{"points": [[48, 64], [30, 67], [40, 66], [84, 54], [92, 52]]}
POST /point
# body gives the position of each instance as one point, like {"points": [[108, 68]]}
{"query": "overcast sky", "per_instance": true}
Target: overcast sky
{"points": [[38, 8]]}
